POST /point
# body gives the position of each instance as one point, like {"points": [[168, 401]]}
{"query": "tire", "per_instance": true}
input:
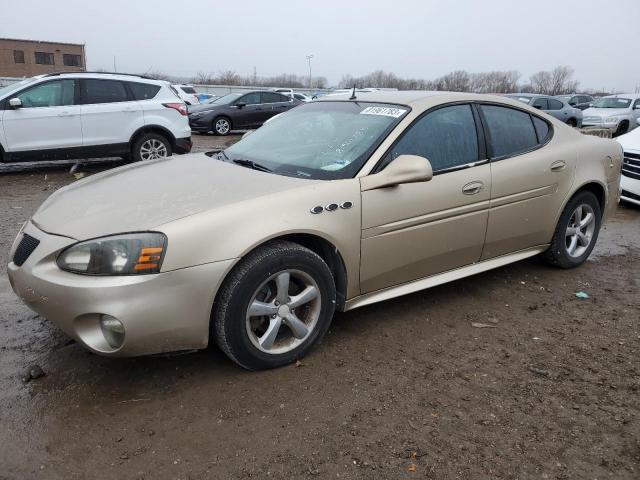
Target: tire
{"points": [[150, 146], [248, 339], [623, 127], [560, 252], [221, 126], [572, 122]]}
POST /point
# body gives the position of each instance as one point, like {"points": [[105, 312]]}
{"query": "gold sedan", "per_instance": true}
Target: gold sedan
{"points": [[339, 203]]}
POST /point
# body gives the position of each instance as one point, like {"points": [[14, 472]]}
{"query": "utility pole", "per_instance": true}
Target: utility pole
{"points": [[114, 64], [309, 57]]}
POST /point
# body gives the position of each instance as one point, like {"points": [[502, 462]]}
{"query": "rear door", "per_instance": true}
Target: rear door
{"points": [[110, 115], [48, 119], [557, 109], [415, 230], [275, 103], [531, 176]]}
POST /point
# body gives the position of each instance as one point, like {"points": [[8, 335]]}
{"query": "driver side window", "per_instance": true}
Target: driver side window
{"points": [[250, 98], [446, 137], [56, 93]]}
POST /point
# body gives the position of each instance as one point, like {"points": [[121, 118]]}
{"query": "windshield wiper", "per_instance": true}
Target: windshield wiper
{"points": [[251, 164]]}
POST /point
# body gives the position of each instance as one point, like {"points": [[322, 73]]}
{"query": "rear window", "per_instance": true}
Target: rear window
{"points": [[104, 91], [189, 90], [511, 131], [143, 91]]}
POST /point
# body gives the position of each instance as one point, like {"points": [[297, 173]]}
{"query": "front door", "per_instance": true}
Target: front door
{"points": [[416, 230], [49, 119], [251, 112], [531, 178]]}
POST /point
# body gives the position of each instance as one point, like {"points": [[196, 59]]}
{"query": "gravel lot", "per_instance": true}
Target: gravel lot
{"points": [[403, 389]]}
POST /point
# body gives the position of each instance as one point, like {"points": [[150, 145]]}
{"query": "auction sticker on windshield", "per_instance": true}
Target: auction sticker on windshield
{"points": [[386, 111]]}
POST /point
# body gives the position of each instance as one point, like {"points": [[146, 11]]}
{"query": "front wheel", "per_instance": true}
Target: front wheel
{"points": [[274, 306], [576, 232], [221, 126]]}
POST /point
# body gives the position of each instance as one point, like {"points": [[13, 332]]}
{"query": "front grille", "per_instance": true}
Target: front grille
{"points": [[25, 248], [631, 165], [631, 196]]}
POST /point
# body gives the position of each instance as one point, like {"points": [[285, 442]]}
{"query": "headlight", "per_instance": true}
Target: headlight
{"points": [[611, 120], [127, 254]]}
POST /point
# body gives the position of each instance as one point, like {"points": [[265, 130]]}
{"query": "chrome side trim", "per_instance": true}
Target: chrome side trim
{"points": [[425, 219], [440, 278], [526, 195]]}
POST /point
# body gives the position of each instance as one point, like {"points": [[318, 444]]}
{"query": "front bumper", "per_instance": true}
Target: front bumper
{"points": [[630, 189], [200, 124], [606, 126], [161, 312]]}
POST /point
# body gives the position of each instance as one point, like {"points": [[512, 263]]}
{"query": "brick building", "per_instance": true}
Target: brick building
{"points": [[25, 58]]}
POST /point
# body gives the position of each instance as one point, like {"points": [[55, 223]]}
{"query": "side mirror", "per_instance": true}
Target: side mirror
{"points": [[15, 103], [539, 107], [241, 104], [573, 104], [404, 169]]}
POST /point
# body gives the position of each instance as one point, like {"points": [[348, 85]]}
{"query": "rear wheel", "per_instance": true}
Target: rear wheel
{"points": [[274, 306], [151, 146], [576, 232], [221, 126]]}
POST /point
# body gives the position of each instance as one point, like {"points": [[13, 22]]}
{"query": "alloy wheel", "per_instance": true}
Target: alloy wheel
{"points": [[222, 126], [152, 149], [283, 311], [580, 230]]}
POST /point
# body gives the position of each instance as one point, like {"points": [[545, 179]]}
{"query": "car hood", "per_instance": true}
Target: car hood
{"points": [[604, 112], [144, 195]]}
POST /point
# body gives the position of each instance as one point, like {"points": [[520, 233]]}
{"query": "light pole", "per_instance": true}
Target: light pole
{"points": [[309, 57]]}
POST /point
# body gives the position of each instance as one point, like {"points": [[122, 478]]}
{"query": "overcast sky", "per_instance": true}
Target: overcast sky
{"points": [[600, 39]]}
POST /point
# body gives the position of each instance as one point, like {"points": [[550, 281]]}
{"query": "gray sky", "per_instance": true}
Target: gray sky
{"points": [[413, 38]]}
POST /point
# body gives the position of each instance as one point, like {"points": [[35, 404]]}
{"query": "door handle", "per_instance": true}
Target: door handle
{"points": [[66, 114], [558, 166], [128, 110], [472, 188]]}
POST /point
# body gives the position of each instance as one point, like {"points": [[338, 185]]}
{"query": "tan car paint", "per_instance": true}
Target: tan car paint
{"points": [[411, 236]]}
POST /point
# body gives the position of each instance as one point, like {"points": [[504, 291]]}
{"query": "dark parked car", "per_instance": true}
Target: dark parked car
{"points": [[578, 100], [238, 111]]}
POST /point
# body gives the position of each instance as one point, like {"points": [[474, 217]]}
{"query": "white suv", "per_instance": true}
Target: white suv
{"points": [[187, 93], [91, 115]]}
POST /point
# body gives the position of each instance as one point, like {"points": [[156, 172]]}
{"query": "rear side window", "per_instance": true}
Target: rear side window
{"points": [[555, 104], [542, 129], [511, 131], [143, 91], [269, 97], [104, 91], [446, 137], [189, 90], [250, 98]]}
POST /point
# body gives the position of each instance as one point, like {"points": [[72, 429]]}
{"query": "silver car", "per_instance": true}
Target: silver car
{"points": [[553, 106], [617, 113]]}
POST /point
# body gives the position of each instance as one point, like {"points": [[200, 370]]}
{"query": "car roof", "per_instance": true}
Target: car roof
{"points": [[116, 76], [624, 95]]}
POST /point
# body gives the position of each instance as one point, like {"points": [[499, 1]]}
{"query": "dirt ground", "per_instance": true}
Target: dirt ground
{"points": [[403, 389]]}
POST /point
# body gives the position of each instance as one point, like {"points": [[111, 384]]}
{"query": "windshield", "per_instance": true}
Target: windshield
{"points": [[189, 90], [323, 140], [14, 86], [612, 102], [225, 99]]}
